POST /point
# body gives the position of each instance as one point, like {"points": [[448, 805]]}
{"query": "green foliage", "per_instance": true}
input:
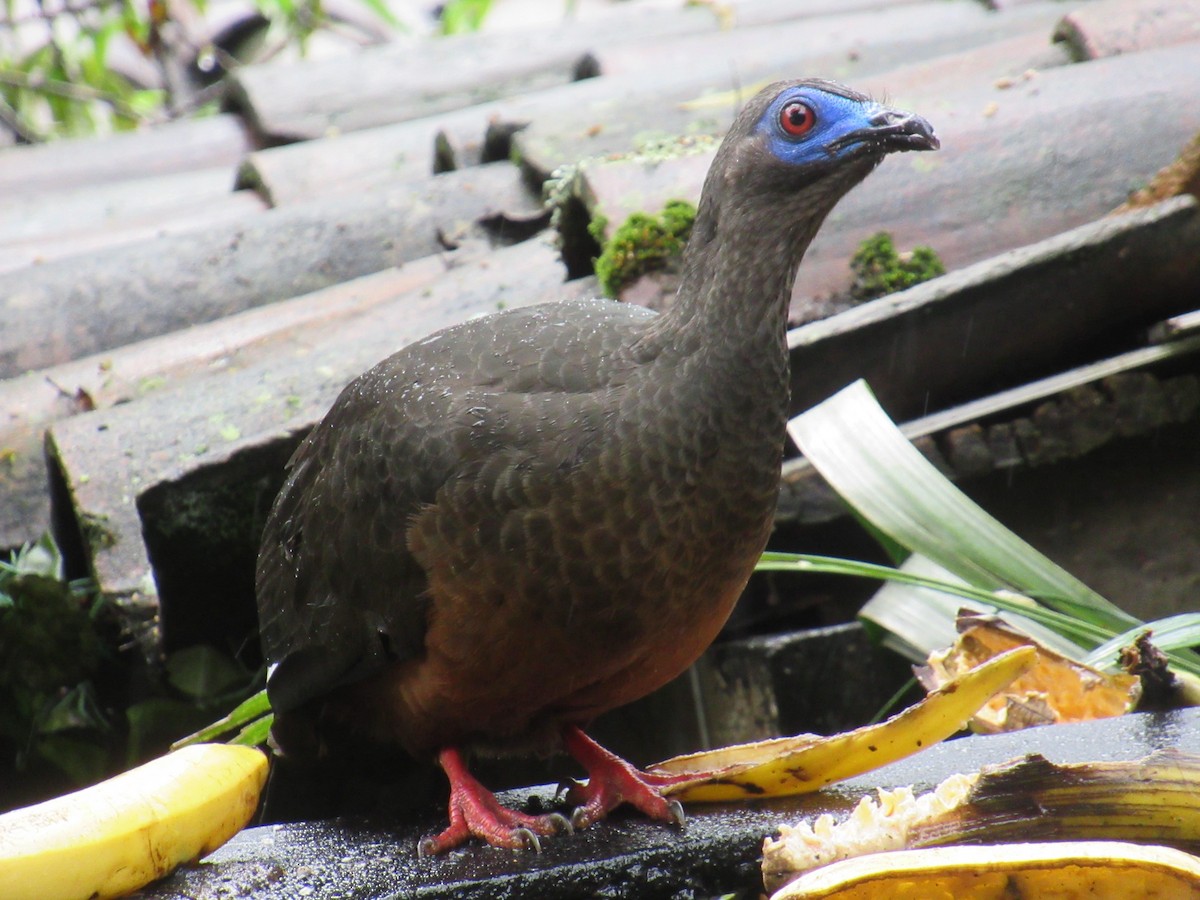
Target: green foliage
{"points": [[70, 702], [252, 716], [879, 269], [463, 16], [642, 244], [65, 87], [296, 21], [50, 652], [879, 474], [38, 610], [60, 82]]}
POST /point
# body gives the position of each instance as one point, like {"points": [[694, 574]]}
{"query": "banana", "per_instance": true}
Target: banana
{"points": [[797, 765], [1080, 870], [1153, 800], [121, 834]]}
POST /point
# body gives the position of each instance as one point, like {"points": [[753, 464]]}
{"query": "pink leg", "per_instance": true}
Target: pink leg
{"points": [[475, 812], [612, 781]]}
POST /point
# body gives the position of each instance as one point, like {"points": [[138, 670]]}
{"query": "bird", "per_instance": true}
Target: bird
{"points": [[522, 521]]}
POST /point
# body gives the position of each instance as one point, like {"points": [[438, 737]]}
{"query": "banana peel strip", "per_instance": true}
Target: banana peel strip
{"points": [[1152, 800], [117, 836], [1065, 870], [796, 765]]}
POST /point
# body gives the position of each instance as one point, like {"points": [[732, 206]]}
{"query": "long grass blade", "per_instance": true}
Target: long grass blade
{"points": [[865, 458]]}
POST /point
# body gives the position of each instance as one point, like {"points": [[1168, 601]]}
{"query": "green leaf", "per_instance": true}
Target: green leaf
{"points": [[917, 618], [84, 761], [1172, 633], [462, 16], [252, 708], [41, 558], [886, 480], [255, 734], [78, 709], [381, 9], [932, 602], [154, 721], [865, 458], [203, 672]]}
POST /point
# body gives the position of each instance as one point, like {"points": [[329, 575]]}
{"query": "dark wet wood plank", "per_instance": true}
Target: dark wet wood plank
{"points": [[940, 346], [717, 852]]}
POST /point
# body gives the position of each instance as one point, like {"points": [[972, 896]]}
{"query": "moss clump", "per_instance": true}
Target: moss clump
{"points": [[879, 269], [643, 243]]}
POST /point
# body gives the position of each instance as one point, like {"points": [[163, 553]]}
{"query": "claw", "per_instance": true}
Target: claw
{"points": [[611, 782], [563, 825], [675, 809], [565, 787], [529, 839], [577, 819], [475, 812]]}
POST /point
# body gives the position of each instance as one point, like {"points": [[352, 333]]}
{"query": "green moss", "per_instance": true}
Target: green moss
{"points": [[879, 269], [643, 243], [97, 533], [597, 225]]}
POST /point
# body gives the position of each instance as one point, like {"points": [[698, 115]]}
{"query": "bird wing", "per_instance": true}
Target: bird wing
{"points": [[340, 594]]}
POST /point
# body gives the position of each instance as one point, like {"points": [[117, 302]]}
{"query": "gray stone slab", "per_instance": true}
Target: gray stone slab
{"points": [[408, 79], [176, 147], [1017, 164], [412, 79], [1113, 27], [133, 292], [190, 470], [701, 81], [1023, 314], [31, 403]]}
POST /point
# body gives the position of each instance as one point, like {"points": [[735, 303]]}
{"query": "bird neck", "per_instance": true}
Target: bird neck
{"points": [[735, 289]]}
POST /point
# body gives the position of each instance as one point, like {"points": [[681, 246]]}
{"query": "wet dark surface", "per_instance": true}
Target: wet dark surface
{"points": [[717, 852]]}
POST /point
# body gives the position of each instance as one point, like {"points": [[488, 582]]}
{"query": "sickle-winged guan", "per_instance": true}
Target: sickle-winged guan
{"points": [[522, 521]]}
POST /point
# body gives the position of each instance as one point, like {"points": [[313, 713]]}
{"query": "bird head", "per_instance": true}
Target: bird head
{"points": [[822, 124], [809, 141]]}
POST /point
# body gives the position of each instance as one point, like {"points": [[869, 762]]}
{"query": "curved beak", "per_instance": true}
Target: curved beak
{"points": [[891, 130]]}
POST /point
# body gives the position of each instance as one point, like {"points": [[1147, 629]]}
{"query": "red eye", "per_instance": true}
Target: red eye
{"points": [[797, 119]]}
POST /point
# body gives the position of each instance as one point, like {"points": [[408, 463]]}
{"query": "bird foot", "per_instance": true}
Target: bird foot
{"points": [[475, 812], [611, 782]]}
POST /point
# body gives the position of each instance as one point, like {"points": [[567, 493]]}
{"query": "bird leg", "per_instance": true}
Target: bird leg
{"points": [[611, 782], [475, 812]]}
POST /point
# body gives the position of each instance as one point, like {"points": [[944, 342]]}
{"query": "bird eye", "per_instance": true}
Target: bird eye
{"points": [[797, 118]]}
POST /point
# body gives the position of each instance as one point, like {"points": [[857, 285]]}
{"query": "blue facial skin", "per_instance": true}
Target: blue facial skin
{"points": [[837, 118]]}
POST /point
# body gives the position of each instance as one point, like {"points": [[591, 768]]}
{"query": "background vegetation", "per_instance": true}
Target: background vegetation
{"points": [[80, 67]]}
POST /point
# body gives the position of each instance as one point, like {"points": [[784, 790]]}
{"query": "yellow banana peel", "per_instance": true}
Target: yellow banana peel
{"points": [[119, 835], [797, 765], [1057, 689], [1064, 870], [1153, 800]]}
